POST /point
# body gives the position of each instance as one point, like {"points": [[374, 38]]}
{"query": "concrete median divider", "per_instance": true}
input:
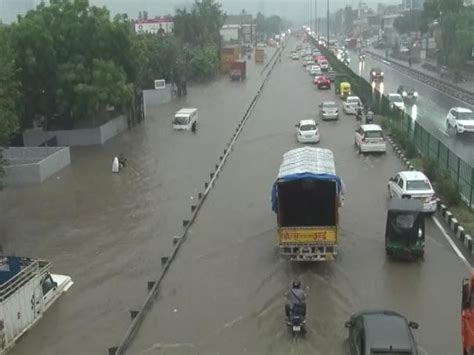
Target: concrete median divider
{"points": [[153, 286]]}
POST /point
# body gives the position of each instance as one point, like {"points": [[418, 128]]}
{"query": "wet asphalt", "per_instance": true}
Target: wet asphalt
{"points": [[224, 292], [430, 109]]}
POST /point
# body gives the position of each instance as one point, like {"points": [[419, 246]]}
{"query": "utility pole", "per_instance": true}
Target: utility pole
{"points": [[328, 22], [310, 16], [316, 18]]}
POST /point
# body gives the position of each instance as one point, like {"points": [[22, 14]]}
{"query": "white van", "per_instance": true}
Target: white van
{"points": [[185, 118]]}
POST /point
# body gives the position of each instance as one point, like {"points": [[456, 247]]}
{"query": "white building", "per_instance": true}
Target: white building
{"points": [[230, 33]]}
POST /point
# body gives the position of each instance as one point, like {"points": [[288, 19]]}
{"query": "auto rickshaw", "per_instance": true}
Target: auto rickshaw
{"points": [[345, 89], [405, 229]]}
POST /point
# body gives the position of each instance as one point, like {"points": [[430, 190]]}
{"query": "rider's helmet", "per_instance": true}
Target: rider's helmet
{"points": [[296, 284]]}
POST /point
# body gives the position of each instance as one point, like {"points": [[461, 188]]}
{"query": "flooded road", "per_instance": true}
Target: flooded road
{"points": [[109, 231], [224, 292]]}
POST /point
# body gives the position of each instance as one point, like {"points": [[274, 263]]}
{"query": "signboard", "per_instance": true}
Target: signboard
{"points": [[160, 84], [308, 235], [164, 25]]}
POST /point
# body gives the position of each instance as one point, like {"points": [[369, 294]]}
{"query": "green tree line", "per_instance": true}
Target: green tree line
{"points": [[70, 62], [456, 23]]}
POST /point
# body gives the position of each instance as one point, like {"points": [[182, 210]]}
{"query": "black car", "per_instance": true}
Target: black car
{"points": [[383, 331], [408, 93], [376, 74]]}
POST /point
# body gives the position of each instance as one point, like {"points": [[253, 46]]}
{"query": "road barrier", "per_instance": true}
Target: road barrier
{"points": [[137, 316], [427, 146]]}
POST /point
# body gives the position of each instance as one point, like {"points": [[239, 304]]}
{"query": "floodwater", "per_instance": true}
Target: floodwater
{"points": [[107, 231]]}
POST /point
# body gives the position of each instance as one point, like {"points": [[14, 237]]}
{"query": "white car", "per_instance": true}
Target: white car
{"points": [[370, 138], [396, 100], [294, 56], [315, 70], [413, 184], [460, 119], [351, 104], [307, 131], [324, 64], [328, 110]]}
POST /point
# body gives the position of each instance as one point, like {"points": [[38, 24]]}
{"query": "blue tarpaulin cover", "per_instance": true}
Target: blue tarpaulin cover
{"points": [[306, 163]]}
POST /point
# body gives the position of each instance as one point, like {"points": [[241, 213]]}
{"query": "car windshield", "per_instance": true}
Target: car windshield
{"points": [[180, 120], [373, 134], [396, 98], [353, 101], [329, 106], [405, 220], [308, 127], [418, 185], [465, 116]]}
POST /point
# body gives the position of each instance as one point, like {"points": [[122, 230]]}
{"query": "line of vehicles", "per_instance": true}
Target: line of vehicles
{"points": [[307, 196]]}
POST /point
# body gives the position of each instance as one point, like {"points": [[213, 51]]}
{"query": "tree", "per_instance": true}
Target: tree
{"points": [[412, 21], [59, 49], [9, 90]]}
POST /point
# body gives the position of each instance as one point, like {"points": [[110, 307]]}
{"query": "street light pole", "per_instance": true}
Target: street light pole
{"points": [[328, 21], [315, 17]]}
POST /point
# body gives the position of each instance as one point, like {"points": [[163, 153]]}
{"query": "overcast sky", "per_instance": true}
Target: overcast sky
{"points": [[293, 10]]}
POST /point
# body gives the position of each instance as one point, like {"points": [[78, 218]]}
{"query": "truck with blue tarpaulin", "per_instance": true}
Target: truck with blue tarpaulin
{"points": [[306, 198]]}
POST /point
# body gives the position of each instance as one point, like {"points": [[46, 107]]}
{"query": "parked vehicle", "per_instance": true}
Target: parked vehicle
{"points": [[238, 70], [185, 119], [370, 138], [409, 94], [259, 54], [27, 290], [328, 110], [307, 131], [405, 228], [306, 197], [381, 332], [460, 119], [295, 56], [352, 104], [413, 185]]}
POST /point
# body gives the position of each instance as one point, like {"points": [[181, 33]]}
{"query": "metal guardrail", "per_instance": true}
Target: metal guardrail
{"points": [[448, 88], [460, 172], [139, 315]]}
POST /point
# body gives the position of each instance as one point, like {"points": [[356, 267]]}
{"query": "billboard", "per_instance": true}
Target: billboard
{"points": [[164, 25]]}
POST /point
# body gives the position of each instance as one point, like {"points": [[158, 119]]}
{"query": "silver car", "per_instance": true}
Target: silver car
{"points": [[328, 110]]}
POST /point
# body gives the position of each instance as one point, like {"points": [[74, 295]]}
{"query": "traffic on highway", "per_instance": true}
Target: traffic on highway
{"points": [[369, 267]]}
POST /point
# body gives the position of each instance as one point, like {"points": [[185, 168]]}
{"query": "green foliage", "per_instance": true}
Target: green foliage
{"points": [[201, 25], [269, 26], [448, 189], [9, 94], [430, 168], [411, 21], [204, 62]]}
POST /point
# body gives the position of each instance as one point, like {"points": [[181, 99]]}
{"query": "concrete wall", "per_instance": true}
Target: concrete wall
{"points": [[77, 137], [30, 165], [156, 97]]}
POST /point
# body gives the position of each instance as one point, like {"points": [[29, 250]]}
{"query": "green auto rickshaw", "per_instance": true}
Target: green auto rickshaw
{"points": [[405, 229]]}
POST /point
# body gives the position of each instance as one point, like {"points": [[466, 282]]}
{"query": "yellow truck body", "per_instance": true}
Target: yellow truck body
{"points": [[305, 235], [259, 55]]}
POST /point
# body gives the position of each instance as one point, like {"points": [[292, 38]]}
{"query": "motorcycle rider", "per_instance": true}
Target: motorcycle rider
{"points": [[359, 112], [295, 296]]}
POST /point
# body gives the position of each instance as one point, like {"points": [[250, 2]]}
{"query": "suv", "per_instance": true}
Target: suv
{"points": [[370, 138], [376, 74], [460, 119], [408, 93], [381, 332]]}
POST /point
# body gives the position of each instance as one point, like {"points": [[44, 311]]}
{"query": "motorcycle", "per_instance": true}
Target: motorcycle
{"points": [[296, 322]]}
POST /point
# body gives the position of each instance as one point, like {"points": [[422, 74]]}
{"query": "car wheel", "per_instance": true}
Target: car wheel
{"points": [[389, 192], [360, 150]]}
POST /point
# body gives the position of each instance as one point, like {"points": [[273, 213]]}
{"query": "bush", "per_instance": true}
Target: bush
{"points": [[430, 168], [448, 190]]}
